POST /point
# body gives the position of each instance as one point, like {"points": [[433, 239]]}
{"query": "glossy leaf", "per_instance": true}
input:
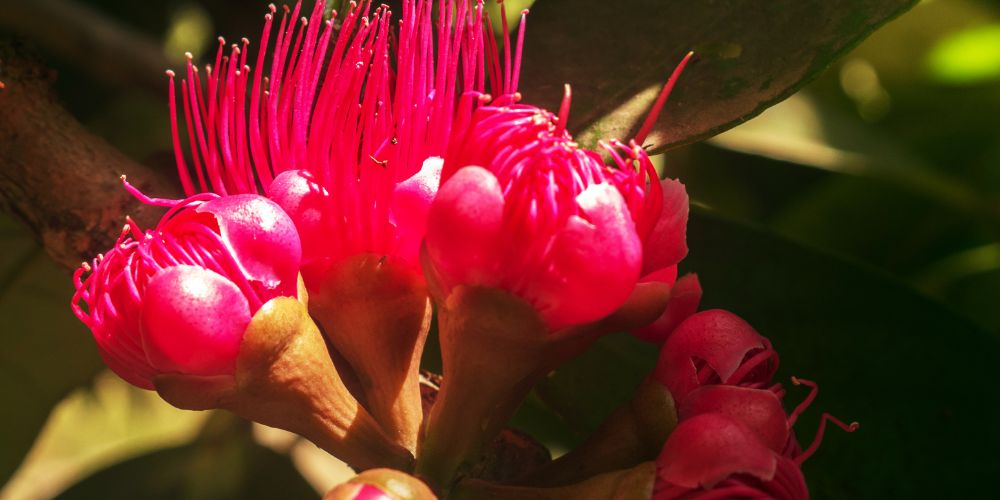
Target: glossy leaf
{"points": [[909, 370], [752, 54]]}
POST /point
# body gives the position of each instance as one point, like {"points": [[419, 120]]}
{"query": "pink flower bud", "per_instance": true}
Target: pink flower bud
{"points": [[177, 299], [715, 347]]}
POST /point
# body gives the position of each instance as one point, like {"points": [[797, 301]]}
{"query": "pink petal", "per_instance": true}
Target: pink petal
{"points": [[411, 202], [718, 337], [262, 237], [666, 245], [685, 296], [193, 321], [307, 203], [710, 447], [760, 410], [463, 228], [593, 264]]}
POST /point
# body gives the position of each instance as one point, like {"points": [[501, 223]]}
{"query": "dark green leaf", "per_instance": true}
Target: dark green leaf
{"points": [[753, 54], [46, 352]]}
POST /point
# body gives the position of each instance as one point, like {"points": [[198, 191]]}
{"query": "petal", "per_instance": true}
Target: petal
{"points": [[308, 204], [710, 447], [463, 228], [262, 237], [685, 297], [593, 264], [666, 245], [411, 202], [760, 410], [193, 321], [718, 337]]}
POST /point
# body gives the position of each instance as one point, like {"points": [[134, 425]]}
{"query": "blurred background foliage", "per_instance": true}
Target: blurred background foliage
{"points": [[861, 215]]}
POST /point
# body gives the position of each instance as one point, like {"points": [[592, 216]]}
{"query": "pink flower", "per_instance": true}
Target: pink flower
{"points": [[347, 129], [524, 209], [715, 347], [177, 299]]}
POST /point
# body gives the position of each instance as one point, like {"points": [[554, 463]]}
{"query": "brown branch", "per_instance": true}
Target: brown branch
{"points": [[80, 35], [62, 181]]}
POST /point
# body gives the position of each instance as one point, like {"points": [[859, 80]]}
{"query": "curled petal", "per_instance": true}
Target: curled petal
{"points": [[464, 226], [719, 339], [667, 243], [193, 321], [708, 448], [594, 259]]}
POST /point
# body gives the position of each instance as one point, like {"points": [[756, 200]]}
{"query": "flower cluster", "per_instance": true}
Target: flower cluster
{"points": [[733, 438], [356, 178]]}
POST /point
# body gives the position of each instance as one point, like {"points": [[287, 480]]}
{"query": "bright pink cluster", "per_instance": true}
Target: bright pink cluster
{"points": [[523, 208], [734, 439], [177, 298], [346, 131]]}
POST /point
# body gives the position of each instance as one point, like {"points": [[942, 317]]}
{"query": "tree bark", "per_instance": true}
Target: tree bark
{"points": [[61, 180]]}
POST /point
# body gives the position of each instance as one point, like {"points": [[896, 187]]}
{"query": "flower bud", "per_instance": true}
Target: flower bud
{"points": [[715, 347], [207, 309], [177, 299]]}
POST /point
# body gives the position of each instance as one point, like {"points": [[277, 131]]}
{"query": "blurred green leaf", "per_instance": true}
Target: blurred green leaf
{"points": [[46, 352], [908, 369], [753, 55], [585, 391], [94, 427], [967, 57], [225, 464]]}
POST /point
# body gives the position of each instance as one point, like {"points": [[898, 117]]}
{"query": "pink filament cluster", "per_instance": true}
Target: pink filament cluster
{"points": [[734, 438], [207, 238], [354, 108]]}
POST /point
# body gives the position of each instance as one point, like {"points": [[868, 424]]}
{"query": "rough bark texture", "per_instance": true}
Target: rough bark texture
{"points": [[62, 181]]}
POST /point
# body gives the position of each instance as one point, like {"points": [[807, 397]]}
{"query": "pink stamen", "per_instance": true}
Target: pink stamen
{"points": [[654, 113], [826, 417], [564, 109], [808, 452]]}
